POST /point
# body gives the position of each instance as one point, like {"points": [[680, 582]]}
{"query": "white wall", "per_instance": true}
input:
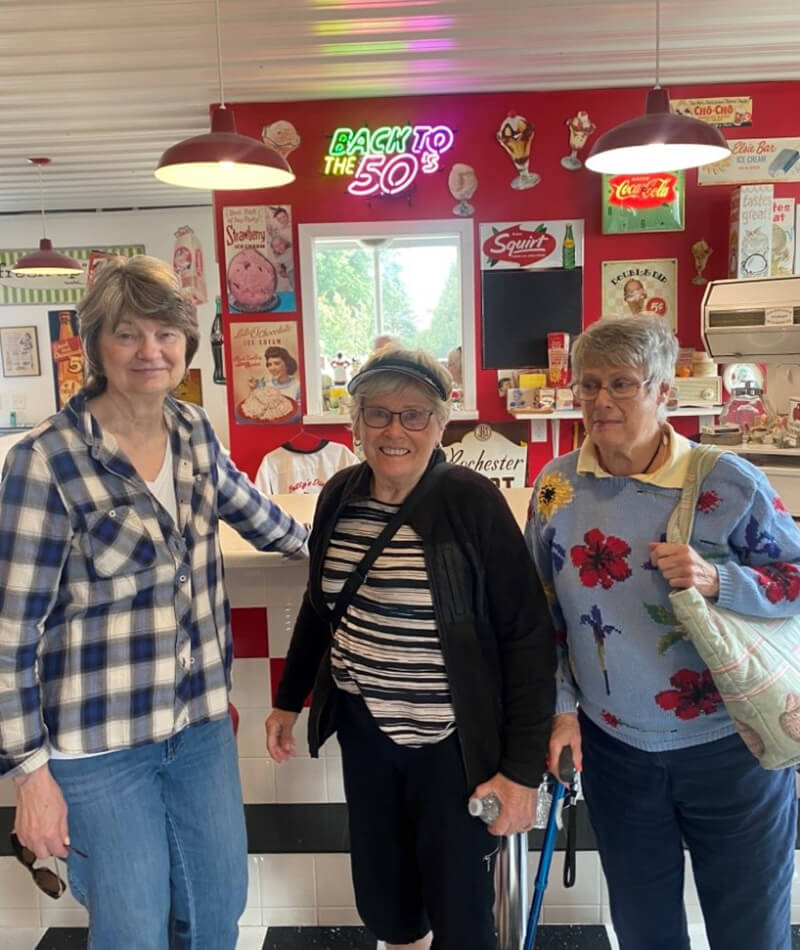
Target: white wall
{"points": [[155, 229]]}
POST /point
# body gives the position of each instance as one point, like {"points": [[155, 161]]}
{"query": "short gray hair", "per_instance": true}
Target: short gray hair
{"points": [[644, 342], [141, 286], [391, 381]]}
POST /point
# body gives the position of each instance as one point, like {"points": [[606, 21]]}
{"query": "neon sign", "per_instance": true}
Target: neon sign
{"points": [[388, 159]]}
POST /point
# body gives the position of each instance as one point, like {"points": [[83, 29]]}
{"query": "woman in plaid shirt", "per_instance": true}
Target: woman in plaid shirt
{"points": [[115, 645]]}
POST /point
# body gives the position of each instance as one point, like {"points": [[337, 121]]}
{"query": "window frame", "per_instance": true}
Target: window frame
{"points": [[308, 233]]}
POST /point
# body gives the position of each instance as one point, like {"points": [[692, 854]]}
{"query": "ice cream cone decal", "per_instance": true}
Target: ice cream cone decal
{"points": [[280, 136], [462, 182], [580, 128], [516, 136]]}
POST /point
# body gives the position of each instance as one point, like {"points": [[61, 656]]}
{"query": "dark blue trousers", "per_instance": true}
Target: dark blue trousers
{"points": [[737, 820]]}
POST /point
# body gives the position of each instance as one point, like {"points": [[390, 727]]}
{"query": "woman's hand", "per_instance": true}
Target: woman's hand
{"points": [[565, 731], [281, 744], [41, 819], [517, 805], [683, 567]]}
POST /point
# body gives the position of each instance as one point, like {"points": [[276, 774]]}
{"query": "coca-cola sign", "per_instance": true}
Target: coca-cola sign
{"points": [[642, 191], [518, 246]]}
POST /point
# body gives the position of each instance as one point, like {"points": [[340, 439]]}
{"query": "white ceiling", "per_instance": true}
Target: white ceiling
{"points": [[102, 87]]}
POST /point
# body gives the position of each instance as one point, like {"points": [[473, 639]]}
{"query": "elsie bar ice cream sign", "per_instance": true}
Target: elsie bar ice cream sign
{"points": [[388, 159], [530, 244], [755, 160]]}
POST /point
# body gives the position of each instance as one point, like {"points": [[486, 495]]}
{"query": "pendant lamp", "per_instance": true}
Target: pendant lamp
{"points": [[45, 262], [658, 140], [223, 160]]}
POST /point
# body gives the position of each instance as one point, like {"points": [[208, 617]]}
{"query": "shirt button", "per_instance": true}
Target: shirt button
{"points": [[182, 578], [112, 513]]}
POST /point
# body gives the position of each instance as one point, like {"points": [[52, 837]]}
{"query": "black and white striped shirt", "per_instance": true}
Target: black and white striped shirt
{"points": [[387, 646]]}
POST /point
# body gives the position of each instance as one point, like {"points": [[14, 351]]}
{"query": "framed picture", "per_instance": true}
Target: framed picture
{"points": [[631, 288], [19, 348], [635, 204]]}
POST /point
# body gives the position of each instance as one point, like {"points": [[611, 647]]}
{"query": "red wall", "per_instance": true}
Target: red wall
{"points": [[561, 194]]}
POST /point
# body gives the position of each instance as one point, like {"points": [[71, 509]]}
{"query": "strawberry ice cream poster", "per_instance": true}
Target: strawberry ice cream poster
{"points": [[259, 258], [526, 245]]}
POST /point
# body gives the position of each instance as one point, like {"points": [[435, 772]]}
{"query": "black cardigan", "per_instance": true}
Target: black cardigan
{"points": [[492, 617]]}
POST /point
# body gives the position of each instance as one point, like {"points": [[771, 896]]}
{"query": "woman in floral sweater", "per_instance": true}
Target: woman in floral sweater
{"points": [[663, 764]]}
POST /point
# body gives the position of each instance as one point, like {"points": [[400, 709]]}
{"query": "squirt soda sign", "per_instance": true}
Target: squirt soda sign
{"points": [[531, 244]]}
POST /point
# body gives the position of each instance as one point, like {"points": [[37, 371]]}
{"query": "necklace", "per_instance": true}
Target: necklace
{"points": [[653, 456]]}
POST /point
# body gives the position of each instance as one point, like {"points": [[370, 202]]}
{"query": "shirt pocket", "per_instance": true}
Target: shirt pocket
{"points": [[117, 542]]}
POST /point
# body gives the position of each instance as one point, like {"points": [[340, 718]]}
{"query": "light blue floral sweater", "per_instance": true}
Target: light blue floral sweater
{"points": [[622, 656]]}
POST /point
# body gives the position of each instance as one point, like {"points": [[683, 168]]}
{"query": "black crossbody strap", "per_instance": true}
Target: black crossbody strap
{"points": [[359, 573]]}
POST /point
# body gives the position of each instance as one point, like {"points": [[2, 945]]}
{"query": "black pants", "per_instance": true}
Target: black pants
{"points": [[419, 860]]}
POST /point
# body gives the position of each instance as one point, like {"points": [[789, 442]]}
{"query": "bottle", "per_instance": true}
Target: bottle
{"points": [[216, 345], [69, 355], [486, 808], [568, 248]]}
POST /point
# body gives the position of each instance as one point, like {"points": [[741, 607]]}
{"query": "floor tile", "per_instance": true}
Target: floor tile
{"points": [[319, 938]]}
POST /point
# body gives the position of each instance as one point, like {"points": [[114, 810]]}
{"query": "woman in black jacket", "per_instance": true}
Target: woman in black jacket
{"points": [[439, 678]]}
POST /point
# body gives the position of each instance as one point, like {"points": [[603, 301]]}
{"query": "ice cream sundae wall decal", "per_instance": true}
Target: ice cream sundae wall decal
{"points": [[701, 251], [516, 135], [580, 127], [259, 258], [266, 379]]}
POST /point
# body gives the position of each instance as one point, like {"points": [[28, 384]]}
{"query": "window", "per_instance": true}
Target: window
{"points": [[411, 279]]}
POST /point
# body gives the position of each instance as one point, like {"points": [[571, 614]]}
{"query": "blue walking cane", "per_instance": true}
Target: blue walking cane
{"points": [[567, 773]]}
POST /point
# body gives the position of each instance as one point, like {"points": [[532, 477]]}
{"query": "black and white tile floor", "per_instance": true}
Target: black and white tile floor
{"points": [[338, 938]]}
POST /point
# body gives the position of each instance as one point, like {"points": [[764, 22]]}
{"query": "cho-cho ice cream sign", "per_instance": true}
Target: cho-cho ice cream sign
{"points": [[386, 160], [529, 244]]}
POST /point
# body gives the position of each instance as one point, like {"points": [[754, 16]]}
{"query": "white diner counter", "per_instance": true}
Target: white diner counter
{"points": [[252, 576]]}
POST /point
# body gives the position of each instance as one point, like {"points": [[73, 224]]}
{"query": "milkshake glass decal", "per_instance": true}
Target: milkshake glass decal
{"points": [[580, 128], [516, 136], [462, 182]]}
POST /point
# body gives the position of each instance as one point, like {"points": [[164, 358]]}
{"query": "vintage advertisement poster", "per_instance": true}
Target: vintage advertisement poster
{"points": [[191, 388], [726, 111], [498, 451], [19, 351], [525, 245], [259, 258], [753, 161], [67, 354], [54, 290], [634, 204], [631, 288], [266, 379]]}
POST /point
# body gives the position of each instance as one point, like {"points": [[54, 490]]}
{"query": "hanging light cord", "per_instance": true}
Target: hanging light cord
{"points": [[41, 198], [219, 57], [658, 42]]}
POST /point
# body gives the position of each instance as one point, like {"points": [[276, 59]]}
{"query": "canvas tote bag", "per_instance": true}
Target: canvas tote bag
{"points": [[754, 662]]}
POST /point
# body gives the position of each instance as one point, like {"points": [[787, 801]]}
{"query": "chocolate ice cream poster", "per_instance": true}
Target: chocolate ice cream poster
{"points": [[638, 288], [526, 245], [266, 378], [755, 161], [259, 258]]}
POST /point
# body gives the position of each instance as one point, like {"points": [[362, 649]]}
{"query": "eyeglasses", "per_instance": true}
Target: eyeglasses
{"points": [[46, 880], [620, 388], [413, 420]]}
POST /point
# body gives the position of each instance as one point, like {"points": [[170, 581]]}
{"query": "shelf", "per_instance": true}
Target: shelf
{"points": [[539, 420], [754, 448]]}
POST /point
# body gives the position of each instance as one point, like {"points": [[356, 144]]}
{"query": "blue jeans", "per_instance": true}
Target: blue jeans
{"points": [[163, 828], [738, 822]]}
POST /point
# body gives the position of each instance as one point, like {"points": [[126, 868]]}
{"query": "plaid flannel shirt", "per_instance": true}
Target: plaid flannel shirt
{"points": [[114, 623]]}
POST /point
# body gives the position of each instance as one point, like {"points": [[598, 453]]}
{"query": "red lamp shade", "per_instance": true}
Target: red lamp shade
{"points": [[657, 141], [46, 262], [223, 160]]}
